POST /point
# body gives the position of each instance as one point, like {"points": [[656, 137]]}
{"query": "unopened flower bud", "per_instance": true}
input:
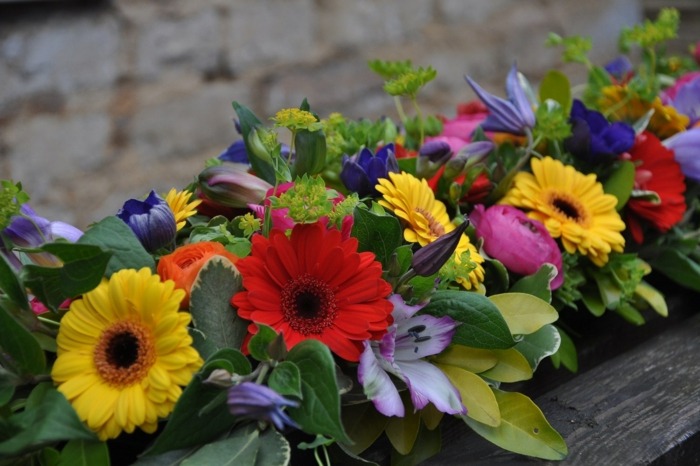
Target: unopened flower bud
{"points": [[151, 220], [428, 259], [219, 378], [231, 185]]}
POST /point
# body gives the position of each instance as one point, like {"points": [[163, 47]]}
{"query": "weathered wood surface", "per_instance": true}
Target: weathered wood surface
{"points": [[641, 407]]}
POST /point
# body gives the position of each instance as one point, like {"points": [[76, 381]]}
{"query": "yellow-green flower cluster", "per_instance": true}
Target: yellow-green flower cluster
{"points": [[296, 119]]}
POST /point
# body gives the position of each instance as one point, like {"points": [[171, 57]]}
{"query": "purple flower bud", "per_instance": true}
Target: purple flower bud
{"points": [[522, 244], [236, 153], [428, 259], [619, 67], [231, 185], [594, 138], [686, 148], [361, 171], [151, 220], [254, 401], [437, 151]]}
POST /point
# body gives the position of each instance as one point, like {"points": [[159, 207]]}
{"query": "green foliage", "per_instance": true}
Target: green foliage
{"points": [[377, 232], [552, 121], [22, 353], [556, 86], [409, 83], [576, 48], [84, 453], [258, 155], [621, 182], [651, 33], [11, 199]]}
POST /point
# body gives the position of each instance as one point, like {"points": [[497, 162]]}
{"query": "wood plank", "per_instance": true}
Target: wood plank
{"points": [[640, 408]]}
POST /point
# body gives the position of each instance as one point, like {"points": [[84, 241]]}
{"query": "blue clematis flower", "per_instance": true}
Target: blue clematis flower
{"points": [[400, 352], [594, 139], [260, 402], [151, 220], [361, 171], [514, 115]]}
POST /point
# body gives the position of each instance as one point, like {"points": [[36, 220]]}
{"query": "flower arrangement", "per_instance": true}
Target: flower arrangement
{"points": [[327, 282]]}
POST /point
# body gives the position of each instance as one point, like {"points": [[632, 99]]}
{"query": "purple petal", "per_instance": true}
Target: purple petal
{"points": [[377, 384], [402, 310], [516, 94], [65, 231], [428, 384], [686, 148], [503, 116], [422, 336]]}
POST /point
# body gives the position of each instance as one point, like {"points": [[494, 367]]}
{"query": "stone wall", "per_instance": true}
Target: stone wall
{"points": [[102, 101]]}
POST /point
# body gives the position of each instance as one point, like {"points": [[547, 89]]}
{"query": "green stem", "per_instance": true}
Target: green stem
{"points": [[419, 114], [399, 109]]}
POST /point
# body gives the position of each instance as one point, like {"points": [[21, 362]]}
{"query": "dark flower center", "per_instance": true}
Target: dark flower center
{"points": [[308, 304], [124, 353], [569, 207]]}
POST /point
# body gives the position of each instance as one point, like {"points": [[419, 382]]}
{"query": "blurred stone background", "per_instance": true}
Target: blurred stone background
{"points": [[101, 101]]}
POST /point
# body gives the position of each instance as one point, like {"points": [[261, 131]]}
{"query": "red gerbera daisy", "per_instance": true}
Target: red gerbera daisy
{"points": [[656, 171], [315, 285]]}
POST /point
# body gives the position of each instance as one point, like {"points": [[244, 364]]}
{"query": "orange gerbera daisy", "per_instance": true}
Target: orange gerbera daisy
{"points": [[657, 171], [314, 284]]}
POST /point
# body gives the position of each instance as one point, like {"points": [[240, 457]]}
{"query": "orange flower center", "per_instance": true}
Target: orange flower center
{"points": [[436, 228], [124, 354], [308, 305]]}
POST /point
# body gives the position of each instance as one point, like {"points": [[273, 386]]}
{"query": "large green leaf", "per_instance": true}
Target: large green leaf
{"points": [[22, 351], [84, 453], [523, 428], [319, 412], [210, 306], [512, 367], [274, 449], [427, 444], [537, 284], [112, 234], [380, 234], [83, 267], [482, 325], [11, 286], [620, 183], [476, 395], [678, 267], [310, 149], [555, 85], [524, 313], [285, 379], [240, 448], [471, 359], [50, 419], [537, 346], [403, 431], [364, 424], [262, 166]]}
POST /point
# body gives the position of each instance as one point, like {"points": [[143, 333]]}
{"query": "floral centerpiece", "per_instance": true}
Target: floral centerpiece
{"points": [[325, 283]]}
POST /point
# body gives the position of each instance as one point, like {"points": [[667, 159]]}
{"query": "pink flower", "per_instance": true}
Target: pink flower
{"points": [[519, 242], [457, 132]]}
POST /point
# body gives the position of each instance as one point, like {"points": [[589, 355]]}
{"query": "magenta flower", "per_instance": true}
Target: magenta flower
{"points": [[522, 244], [400, 352]]}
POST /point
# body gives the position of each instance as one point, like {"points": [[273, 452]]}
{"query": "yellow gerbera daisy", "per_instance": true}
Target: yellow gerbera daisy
{"points": [[182, 206], [426, 219], [123, 353], [622, 103], [572, 206]]}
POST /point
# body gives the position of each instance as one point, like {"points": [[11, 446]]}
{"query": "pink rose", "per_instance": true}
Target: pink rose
{"points": [[519, 242]]}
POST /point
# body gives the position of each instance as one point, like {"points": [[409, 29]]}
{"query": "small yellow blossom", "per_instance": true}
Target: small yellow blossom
{"points": [[182, 206]]}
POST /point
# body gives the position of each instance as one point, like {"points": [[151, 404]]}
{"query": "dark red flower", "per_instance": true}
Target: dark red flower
{"points": [[657, 171], [314, 284]]}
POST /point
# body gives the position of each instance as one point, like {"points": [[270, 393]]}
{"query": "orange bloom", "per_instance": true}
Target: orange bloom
{"points": [[183, 264]]}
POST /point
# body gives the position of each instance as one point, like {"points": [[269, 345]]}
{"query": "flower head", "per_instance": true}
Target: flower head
{"points": [[182, 205], [124, 352], [656, 171], [295, 119], [425, 218], [254, 401], [400, 352], [572, 206], [686, 148], [184, 263], [314, 284], [519, 242], [514, 115], [151, 220], [361, 171]]}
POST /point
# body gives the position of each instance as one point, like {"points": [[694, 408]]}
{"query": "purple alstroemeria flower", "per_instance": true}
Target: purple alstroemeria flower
{"points": [[400, 352], [30, 230], [361, 171], [522, 244], [254, 401], [594, 139], [514, 115], [151, 220], [686, 148]]}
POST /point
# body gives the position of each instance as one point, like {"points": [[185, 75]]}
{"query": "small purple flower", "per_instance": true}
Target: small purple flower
{"points": [[686, 148], [236, 153], [151, 220], [519, 242], [30, 230], [400, 352], [361, 171], [594, 138], [620, 68], [514, 115], [254, 401]]}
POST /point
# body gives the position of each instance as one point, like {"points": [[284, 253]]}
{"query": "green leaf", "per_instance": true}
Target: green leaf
{"points": [[112, 234], [310, 149], [537, 284], [523, 429], [428, 444], [240, 448], [592, 300], [511, 367], [524, 313], [363, 424], [171, 458], [653, 297], [285, 379], [610, 292], [476, 395], [11, 286], [567, 353], [482, 325], [403, 431], [82, 270], [630, 314], [84, 453], [678, 267], [187, 426], [319, 412], [260, 342], [471, 359], [555, 85], [274, 449], [51, 419], [230, 359], [537, 346], [620, 183], [210, 306], [22, 350], [248, 121], [380, 234]]}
